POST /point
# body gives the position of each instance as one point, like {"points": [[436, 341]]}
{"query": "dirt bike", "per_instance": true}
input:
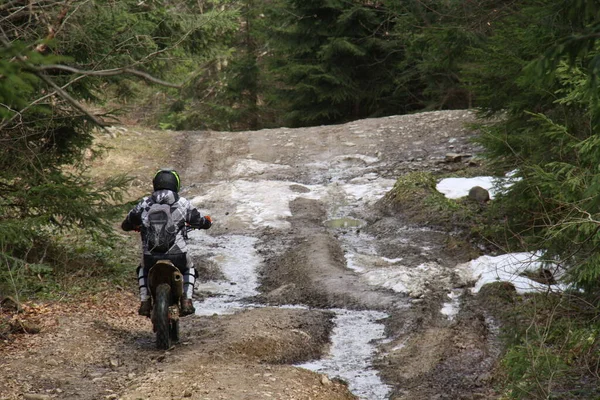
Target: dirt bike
{"points": [[166, 288], [165, 282]]}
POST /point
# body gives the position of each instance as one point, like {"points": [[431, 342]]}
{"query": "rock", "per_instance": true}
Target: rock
{"points": [[547, 276], [479, 194], [36, 396], [325, 380], [187, 393], [456, 157], [453, 157], [52, 362]]}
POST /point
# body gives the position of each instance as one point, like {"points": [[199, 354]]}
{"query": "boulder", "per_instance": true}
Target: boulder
{"points": [[479, 194]]}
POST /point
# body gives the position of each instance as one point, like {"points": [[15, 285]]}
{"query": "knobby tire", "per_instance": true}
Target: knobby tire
{"points": [[174, 332], [161, 316]]}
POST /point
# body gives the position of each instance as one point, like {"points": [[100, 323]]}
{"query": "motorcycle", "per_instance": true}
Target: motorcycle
{"points": [[166, 288], [165, 282]]}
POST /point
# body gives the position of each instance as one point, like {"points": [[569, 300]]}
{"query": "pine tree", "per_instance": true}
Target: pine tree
{"points": [[542, 80], [335, 60], [47, 72]]}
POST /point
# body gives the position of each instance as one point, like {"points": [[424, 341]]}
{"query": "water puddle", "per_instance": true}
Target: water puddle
{"points": [[352, 352], [355, 333], [343, 223]]}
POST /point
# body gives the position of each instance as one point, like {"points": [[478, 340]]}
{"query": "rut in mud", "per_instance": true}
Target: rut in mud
{"points": [[300, 266], [287, 188]]}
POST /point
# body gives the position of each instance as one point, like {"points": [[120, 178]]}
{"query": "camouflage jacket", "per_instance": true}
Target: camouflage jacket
{"points": [[182, 212]]}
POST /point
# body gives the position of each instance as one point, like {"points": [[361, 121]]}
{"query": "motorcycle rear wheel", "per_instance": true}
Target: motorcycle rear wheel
{"points": [[162, 325], [174, 331]]}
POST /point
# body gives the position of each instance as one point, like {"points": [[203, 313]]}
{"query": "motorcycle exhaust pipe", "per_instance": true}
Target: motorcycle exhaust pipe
{"points": [[178, 283]]}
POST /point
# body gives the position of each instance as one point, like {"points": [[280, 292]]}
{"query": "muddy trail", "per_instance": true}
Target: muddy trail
{"points": [[307, 290]]}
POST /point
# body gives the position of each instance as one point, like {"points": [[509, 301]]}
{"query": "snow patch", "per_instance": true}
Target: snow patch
{"points": [[450, 309], [505, 268], [265, 203], [455, 188], [352, 352], [249, 167], [236, 256]]}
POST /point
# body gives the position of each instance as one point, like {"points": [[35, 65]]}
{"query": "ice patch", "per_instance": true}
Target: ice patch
{"points": [[392, 260], [450, 309], [250, 167], [265, 203], [352, 352], [505, 268], [368, 192], [238, 260], [257, 204], [389, 274]]}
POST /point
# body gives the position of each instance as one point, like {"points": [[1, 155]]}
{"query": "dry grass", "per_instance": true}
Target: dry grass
{"points": [[137, 152]]}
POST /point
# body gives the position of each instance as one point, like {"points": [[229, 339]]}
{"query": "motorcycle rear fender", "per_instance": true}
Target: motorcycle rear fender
{"points": [[164, 271]]}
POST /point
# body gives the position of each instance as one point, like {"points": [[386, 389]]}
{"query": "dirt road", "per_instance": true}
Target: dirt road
{"points": [[300, 268]]}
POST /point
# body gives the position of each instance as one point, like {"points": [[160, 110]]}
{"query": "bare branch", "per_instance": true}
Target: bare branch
{"points": [[52, 29], [109, 72], [66, 96]]}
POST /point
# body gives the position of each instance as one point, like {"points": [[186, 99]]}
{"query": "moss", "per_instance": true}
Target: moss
{"points": [[415, 196]]}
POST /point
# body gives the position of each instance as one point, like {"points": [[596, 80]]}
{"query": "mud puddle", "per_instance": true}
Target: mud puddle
{"points": [[355, 336]]}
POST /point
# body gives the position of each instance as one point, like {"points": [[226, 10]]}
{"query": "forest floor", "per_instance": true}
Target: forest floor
{"points": [[276, 188]]}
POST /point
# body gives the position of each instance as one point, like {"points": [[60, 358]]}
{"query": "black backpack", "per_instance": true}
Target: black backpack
{"points": [[160, 230]]}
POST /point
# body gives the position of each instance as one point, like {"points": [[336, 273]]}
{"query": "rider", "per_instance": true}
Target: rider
{"points": [[166, 185]]}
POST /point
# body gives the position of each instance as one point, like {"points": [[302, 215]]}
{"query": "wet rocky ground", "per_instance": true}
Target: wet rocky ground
{"points": [[310, 289]]}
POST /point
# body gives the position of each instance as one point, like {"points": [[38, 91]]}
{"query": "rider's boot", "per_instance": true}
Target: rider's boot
{"points": [[145, 308], [187, 307]]}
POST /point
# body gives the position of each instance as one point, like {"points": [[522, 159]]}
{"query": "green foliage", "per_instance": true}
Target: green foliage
{"points": [[554, 204], [59, 266], [555, 347], [541, 80], [48, 202], [335, 60]]}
